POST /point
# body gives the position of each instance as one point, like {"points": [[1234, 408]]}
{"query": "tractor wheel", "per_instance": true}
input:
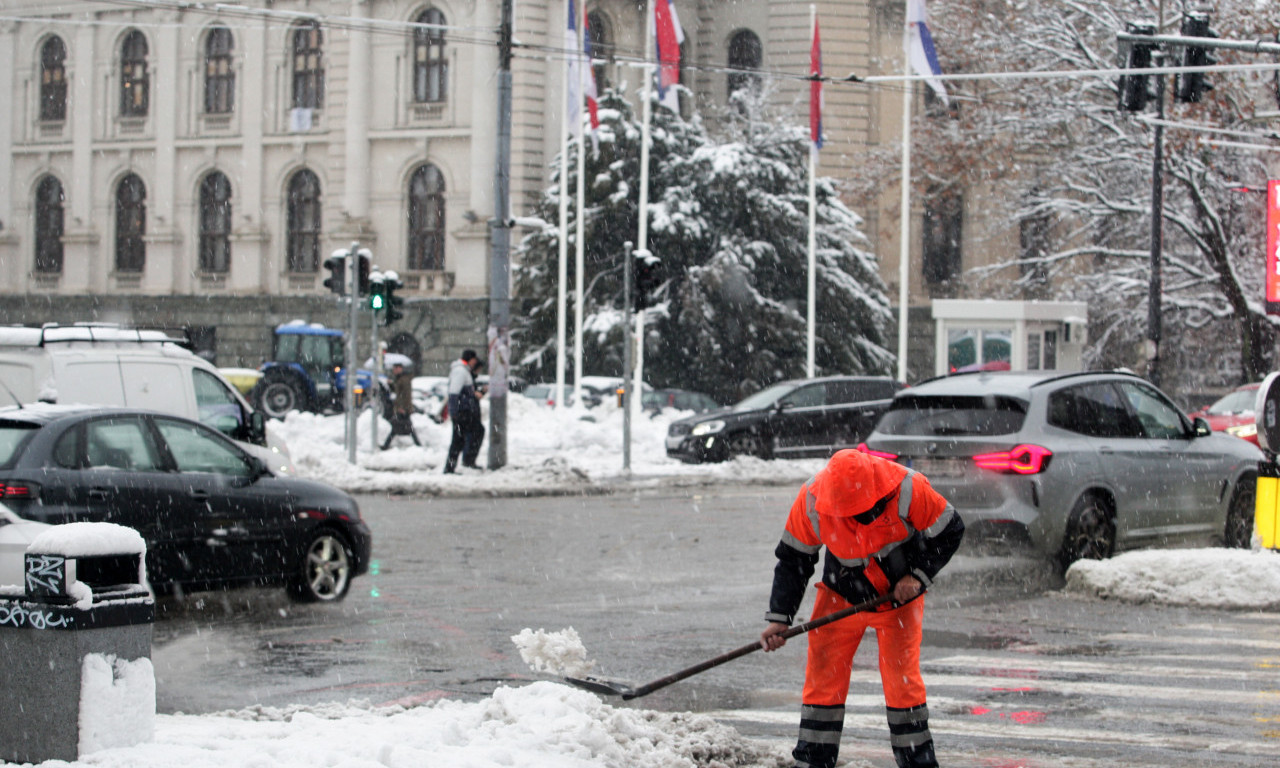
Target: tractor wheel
{"points": [[280, 392]]}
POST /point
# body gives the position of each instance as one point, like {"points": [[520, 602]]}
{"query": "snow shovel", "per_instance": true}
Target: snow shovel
{"points": [[619, 688]]}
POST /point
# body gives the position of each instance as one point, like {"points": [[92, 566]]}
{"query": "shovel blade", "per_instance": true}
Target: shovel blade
{"points": [[603, 686]]}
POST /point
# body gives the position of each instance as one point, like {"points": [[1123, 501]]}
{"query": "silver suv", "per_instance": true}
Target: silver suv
{"points": [[1084, 464]]}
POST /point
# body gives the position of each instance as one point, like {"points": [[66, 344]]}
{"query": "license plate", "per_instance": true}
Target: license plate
{"points": [[931, 467]]}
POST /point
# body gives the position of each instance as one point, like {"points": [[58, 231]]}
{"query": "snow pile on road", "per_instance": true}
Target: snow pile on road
{"points": [[557, 653], [1207, 578], [541, 725]]}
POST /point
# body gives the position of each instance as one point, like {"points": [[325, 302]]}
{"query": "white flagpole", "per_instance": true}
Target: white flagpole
{"points": [[813, 240], [904, 222], [562, 269], [580, 242], [642, 237]]}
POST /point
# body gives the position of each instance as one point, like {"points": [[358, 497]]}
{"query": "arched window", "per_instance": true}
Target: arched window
{"points": [[215, 223], [426, 219], [134, 86], [131, 224], [219, 78], [745, 54], [602, 50], [49, 202], [53, 80], [308, 66], [430, 67], [304, 222]]}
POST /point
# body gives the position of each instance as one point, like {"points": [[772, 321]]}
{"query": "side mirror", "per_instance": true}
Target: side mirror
{"points": [[1201, 427], [257, 428]]}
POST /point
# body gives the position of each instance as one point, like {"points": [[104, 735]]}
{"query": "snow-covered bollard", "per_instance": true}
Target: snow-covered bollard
{"points": [[75, 646]]}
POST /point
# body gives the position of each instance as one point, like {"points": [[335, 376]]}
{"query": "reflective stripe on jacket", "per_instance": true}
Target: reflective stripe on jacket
{"points": [[878, 520]]}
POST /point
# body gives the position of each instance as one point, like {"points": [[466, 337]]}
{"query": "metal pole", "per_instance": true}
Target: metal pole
{"points": [[375, 388], [904, 215], [353, 327], [500, 255], [628, 257], [811, 313], [1157, 239]]}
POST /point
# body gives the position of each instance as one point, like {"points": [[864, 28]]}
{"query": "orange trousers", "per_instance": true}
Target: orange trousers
{"points": [[831, 651]]}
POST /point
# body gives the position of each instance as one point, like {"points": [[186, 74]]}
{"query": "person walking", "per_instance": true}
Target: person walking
{"points": [[401, 405], [464, 411], [886, 532]]}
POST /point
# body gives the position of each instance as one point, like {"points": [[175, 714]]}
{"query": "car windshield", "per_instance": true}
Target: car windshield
{"points": [[764, 397], [12, 437], [949, 415], [1240, 401]]}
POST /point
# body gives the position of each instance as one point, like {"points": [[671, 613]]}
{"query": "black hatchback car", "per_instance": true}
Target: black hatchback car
{"points": [[213, 516], [792, 419]]}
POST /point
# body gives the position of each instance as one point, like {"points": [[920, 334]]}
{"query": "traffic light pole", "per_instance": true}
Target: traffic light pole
{"points": [[1157, 239], [353, 327], [375, 393], [500, 254]]}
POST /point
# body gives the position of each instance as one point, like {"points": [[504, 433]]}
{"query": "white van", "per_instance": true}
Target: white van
{"points": [[103, 364]]}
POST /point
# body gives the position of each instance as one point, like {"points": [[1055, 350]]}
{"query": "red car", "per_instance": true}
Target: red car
{"points": [[1233, 413]]}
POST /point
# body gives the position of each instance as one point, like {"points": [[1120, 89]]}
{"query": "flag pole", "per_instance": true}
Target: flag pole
{"points": [[813, 218], [904, 220], [562, 268], [580, 241], [642, 236]]}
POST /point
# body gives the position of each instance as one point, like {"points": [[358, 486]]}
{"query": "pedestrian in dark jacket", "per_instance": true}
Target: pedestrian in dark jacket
{"points": [[401, 406], [886, 532], [464, 411]]}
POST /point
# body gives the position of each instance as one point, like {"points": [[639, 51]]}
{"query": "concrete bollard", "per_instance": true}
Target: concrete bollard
{"points": [[75, 646]]}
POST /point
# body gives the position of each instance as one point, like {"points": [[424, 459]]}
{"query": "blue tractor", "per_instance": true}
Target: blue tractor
{"points": [[306, 373]]}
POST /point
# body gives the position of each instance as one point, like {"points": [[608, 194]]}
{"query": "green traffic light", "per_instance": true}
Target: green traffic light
{"points": [[375, 301]]}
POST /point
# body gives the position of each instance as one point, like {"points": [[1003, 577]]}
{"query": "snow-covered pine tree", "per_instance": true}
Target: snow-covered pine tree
{"points": [[729, 222]]}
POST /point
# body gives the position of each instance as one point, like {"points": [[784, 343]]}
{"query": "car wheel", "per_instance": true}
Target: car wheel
{"points": [[747, 443], [1091, 531], [280, 393], [1240, 514], [324, 574]]}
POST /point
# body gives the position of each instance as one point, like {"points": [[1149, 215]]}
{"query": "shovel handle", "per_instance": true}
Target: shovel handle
{"points": [[798, 629]]}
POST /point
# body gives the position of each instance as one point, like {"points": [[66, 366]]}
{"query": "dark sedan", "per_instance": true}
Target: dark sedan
{"points": [[792, 419], [213, 516]]}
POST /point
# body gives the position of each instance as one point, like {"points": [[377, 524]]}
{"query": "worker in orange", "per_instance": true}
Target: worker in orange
{"points": [[886, 532]]}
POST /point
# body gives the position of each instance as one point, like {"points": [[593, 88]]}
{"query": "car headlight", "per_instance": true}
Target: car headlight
{"points": [[1242, 430], [708, 427]]}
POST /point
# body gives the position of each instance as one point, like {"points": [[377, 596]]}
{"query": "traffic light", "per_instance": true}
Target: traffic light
{"points": [[337, 266], [1134, 93], [1191, 85], [648, 276], [393, 303], [377, 291], [364, 263]]}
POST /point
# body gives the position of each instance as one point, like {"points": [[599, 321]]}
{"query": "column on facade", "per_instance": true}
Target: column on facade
{"points": [[85, 262], [356, 192], [12, 271], [252, 268], [166, 271]]}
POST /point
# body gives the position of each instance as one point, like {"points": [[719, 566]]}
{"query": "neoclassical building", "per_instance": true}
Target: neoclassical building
{"points": [[177, 149]]}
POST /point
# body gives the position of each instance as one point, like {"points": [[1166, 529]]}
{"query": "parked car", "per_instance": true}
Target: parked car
{"points": [[792, 419], [1233, 413], [1082, 464], [212, 514], [15, 535], [660, 400]]}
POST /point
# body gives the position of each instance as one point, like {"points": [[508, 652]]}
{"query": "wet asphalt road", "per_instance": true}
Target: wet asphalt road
{"points": [[1020, 674]]}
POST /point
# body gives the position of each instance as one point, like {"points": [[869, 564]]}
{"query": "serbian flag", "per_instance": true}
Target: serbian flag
{"points": [[920, 50], [669, 36], [815, 89], [593, 106]]}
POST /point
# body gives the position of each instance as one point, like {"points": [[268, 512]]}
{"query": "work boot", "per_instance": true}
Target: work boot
{"points": [[910, 737], [819, 742]]}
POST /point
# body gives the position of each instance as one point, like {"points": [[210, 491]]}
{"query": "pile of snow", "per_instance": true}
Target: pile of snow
{"points": [[541, 725], [1204, 578], [548, 451], [557, 653], [117, 702]]}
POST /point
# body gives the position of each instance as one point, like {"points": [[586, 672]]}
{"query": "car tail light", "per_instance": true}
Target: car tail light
{"points": [[878, 454], [310, 514], [18, 491], [1022, 460]]}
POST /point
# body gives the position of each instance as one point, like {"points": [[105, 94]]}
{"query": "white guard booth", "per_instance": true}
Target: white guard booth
{"points": [[989, 335]]}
